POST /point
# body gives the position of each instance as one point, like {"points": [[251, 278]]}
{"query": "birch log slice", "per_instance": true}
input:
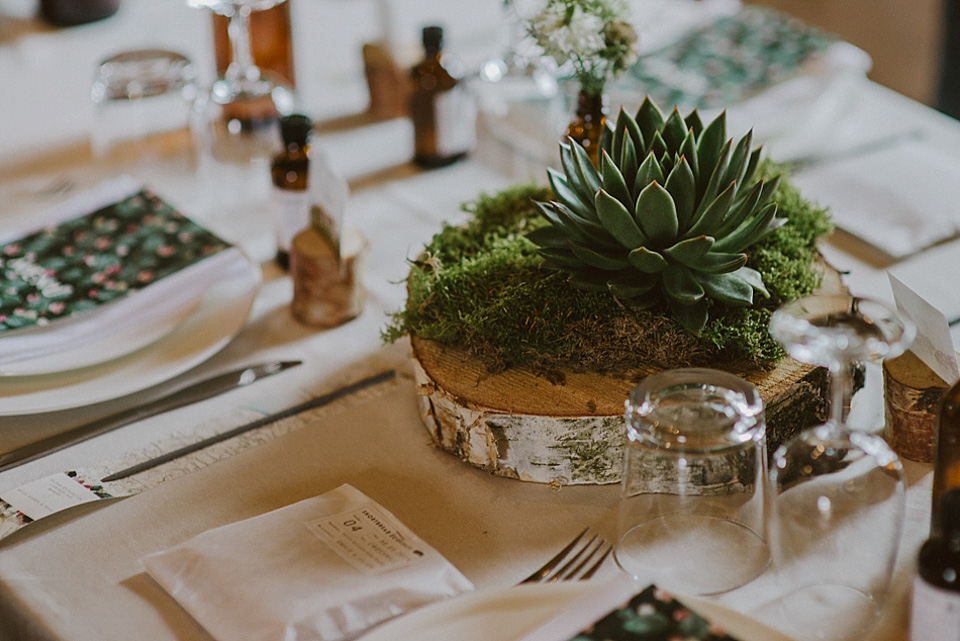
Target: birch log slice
{"points": [[568, 428]]}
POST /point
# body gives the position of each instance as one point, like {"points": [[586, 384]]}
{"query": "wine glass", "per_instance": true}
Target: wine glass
{"points": [[837, 493], [239, 116]]}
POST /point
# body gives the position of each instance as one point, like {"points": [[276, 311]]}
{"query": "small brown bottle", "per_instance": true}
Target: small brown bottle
{"points": [[443, 113], [946, 453], [935, 610], [289, 202]]}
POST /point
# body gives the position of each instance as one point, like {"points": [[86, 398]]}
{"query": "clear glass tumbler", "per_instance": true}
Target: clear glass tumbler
{"points": [[144, 102], [692, 491]]}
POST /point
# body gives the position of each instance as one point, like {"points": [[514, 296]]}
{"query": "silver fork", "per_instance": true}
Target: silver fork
{"points": [[578, 556]]}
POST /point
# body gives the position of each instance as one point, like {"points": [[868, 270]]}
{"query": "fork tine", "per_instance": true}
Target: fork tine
{"points": [[596, 566], [552, 563], [570, 569]]}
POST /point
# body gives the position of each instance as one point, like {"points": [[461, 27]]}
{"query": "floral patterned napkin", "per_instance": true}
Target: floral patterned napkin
{"points": [[96, 258]]}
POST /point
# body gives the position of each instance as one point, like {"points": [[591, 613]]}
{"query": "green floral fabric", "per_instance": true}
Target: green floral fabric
{"points": [[97, 258], [653, 615], [727, 62]]}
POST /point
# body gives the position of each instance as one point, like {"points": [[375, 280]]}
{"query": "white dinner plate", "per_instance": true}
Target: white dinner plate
{"points": [[505, 614], [220, 314]]}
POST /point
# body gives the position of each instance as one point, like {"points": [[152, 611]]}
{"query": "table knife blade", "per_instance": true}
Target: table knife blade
{"points": [[187, 395]]}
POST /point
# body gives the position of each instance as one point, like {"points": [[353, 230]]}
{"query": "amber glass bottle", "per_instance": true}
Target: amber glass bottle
{"points": [[946, 453], [289, 202], [935, 613], [271, 42], [444, 117]]}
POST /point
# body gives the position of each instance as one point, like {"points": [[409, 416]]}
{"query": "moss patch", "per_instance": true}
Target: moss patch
{"points": [[482, 286]]}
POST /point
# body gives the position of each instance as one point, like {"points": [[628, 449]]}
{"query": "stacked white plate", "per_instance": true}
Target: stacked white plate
{"points": [[129, 344]]}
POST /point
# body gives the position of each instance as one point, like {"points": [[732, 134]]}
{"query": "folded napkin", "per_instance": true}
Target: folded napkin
{"points": [[892, 198], [325, 568], [113, 258]]}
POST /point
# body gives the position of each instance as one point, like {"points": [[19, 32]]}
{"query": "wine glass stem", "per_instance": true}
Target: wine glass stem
{"points": [[239, 32], [840, 388]]}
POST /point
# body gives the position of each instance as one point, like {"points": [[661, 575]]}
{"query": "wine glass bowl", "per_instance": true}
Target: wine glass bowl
{"points": [[833, 487], [819, 330], [239, 117]]}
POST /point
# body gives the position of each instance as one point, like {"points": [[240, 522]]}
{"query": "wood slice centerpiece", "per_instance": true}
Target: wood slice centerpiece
{"points": [[567, 427]]}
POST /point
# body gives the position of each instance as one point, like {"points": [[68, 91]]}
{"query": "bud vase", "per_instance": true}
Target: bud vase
{"points": [[588, 123]]}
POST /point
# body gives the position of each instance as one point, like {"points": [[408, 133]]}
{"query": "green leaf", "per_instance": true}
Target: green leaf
{"points": [[619, 221], [560, 258], [597, 259], [656, 215], [690, 249], [727, 288], [689, 151], [750, 232], [573, 177], [754, 279], [716, 176], [742, 208], [585, 169], [693, 122], [752, 166], [712, 216], [548, 237], [567, 195], [674, 130], [692, 317], [738, 161], [718, 262], [632, 285], [683, 188], [679, 283], [648, 172], [649, 119], [629, 163], [613, 182], [647, 261], [658, 146], [710, 144]]}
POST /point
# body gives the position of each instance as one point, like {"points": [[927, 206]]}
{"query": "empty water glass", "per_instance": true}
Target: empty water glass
{"points": [[692, 491], [144, 102]]}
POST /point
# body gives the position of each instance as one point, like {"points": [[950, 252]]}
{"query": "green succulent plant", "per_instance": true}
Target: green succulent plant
{"points": [[667, 215]]}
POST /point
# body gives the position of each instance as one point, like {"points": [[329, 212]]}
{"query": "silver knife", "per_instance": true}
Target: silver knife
{"points": [[192, 393]]}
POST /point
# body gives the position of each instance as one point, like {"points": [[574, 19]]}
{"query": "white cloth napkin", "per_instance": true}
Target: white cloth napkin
{"points": [[325, 568], [161, 304], [893, 198]]}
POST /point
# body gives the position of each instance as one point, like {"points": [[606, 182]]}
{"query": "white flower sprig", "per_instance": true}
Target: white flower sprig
{"points": [[592, 35]]}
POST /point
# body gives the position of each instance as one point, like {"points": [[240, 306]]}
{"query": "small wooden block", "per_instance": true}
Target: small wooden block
{"points": [[326, 291], [912, 396]]}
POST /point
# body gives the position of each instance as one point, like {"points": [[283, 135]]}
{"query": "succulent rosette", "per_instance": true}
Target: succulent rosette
{"points": [[668, 215]]}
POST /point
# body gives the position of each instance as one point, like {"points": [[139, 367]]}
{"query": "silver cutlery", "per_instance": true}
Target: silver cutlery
{"points": [[187, 395], [578, 555]]}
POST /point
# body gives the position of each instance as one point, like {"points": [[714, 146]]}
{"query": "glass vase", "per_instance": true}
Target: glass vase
{"points": [[586, 128]]}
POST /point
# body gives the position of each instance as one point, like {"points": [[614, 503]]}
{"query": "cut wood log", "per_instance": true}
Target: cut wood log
{"points": [[569, 428], [912, 393]]}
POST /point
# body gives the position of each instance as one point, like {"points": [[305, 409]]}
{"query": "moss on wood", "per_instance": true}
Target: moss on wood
{"points": [[482, 286]]}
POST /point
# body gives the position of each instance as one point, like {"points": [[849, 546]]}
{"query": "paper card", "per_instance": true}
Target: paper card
{"points": [[49, 495], [328, 193], [933, 344]]}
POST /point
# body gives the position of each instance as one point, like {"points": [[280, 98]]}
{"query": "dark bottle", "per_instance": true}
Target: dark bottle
{"points": [[289, 202], [443, 113], [935, 610], [65, 13], [946, 453]]}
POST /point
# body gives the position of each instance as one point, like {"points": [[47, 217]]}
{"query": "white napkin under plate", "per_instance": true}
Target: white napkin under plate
{"points": [[326, 568]]}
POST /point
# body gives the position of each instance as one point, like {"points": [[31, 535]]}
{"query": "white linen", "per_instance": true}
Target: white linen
{"points": [[327, 568]]}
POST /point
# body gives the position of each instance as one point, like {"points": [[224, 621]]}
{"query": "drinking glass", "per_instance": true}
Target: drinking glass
{"points": [[837, 493], [691, 500], [239, 116], [143, 101]]}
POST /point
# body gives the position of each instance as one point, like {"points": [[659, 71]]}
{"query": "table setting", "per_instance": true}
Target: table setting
{"points": [[182, 457]]}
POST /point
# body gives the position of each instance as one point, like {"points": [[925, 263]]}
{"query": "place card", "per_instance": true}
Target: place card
{"points": [[933, 344], [49, 495]]}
